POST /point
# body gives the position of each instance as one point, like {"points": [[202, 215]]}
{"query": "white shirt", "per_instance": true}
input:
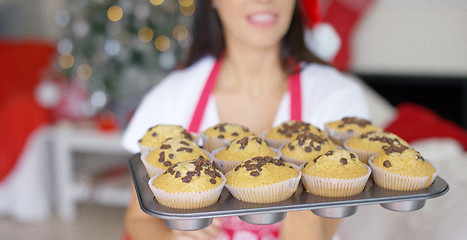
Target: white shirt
{"points": [[327, 95]]}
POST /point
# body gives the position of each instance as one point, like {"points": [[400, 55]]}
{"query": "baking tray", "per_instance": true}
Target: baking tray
{"points": [[269, 213]]}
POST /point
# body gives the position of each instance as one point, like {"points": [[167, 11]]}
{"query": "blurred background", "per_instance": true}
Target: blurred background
{"points": [[73, 72]]}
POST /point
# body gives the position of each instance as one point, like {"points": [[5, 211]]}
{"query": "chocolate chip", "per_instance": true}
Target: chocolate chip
{"points": [[213, 181], [308, 149], [220, 136], [161, 154], [185, 149], [291, 147], [329, 153], [171, 155], [167, 163], [178, 174], [234, 134], [317, 148], [165, 146], [387, 163], [184, 143], [352, 155], [154, 134], [186, 179], [254, 173], [161, 159], [343, 161]]}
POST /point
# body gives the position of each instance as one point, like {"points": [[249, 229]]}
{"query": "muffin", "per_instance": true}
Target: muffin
{"points": [[263, 180], [221, 134], [305, 148], [171, 151], [402, 168], [372, 143], [155, 135], [241, 149], [341, 130], [337, 173], [288, 131], [189, 184]]}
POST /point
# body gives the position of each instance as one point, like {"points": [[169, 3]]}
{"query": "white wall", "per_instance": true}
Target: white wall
{"points": [[413, 37]]}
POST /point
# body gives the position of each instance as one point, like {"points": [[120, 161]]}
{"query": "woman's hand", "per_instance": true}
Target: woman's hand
{"points": [[210, 232]]}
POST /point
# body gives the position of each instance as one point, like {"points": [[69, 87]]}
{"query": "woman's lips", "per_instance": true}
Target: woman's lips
{"points": [[262, 19]]}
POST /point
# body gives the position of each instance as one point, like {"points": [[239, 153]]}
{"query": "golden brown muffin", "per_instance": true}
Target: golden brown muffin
{"points": [[341, 130], [221, 134], [305, 148], [190, 184], [263, 180], [337, 173], [402, 168], [157, 134], [288, 131]]}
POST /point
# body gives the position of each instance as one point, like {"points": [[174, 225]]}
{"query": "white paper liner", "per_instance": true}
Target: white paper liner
{"points": [[364, 156], [338, 137], [144, 149], [267, 194], [398, 182], [335, 187], [227, 165], [211, 143], [295, 161], [187, 200]]}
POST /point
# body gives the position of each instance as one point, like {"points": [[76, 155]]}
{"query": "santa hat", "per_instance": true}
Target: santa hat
{"points": [[320, 38]]}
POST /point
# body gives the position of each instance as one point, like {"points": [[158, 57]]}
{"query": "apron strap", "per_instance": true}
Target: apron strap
{"points": [[294, 90], [295, 95], [203, 100]]}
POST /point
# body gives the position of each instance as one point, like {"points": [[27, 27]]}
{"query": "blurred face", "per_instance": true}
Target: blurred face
{"points": [[257, 23]]}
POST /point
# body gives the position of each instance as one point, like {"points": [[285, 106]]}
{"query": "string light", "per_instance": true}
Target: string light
{"points": [[115, 13], [188, 11], [162, 43], [66, 61], [186, 3], [156, 2], [180, 32], [145, 34], [84, 71]]}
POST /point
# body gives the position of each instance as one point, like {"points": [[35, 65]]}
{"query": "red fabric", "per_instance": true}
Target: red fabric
{"points": [[415, 122], [343, 15], [21, 65]]}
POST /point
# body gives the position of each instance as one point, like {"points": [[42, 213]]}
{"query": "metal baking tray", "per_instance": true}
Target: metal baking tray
{"points": [[269, 213]]}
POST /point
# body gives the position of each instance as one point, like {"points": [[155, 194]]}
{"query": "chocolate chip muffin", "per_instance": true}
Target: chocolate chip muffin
{"points": [[341, 130], [190, 184], [288, 131], [336, 173], [155, 135], [171, 151], [263, 180], [221, 134], [241, 149], [372, 143], [402, 168], [306, 147]]}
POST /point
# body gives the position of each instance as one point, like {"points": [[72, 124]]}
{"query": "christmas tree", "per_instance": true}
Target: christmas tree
{"points": [[118, 49]]}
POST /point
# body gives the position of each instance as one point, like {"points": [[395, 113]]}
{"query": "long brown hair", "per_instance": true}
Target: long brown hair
{"points": [[208, 38]]}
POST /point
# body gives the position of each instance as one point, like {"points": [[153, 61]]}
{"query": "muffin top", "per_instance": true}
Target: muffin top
{"points": [[197, 175], [260, 171], [403, 160], [241, 149], [228, 131], [307, 147], [353, 125], [174, 150], [374, 141], [290, 129], [157, 134], [336, 163]]}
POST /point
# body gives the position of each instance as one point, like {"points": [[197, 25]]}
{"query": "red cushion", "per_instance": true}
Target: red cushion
{"points": [[415, 122]]}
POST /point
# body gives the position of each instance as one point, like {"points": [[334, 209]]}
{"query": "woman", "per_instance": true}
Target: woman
{"points": [[248, 64]]}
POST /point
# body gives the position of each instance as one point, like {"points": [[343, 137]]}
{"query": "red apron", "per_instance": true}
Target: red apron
{"points": [[233, 227]]}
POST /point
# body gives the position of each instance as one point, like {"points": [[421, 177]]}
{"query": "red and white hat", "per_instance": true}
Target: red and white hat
{"points": [[321, 38]]}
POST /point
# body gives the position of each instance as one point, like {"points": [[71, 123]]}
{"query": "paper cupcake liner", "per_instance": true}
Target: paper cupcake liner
{"points": [[267, 194], [335, 187], [364, 156], [338, 137], [150, 169], [144, 149], [398, 182], [295, 161], [227, 165], [187, 200], [211, 144]]}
